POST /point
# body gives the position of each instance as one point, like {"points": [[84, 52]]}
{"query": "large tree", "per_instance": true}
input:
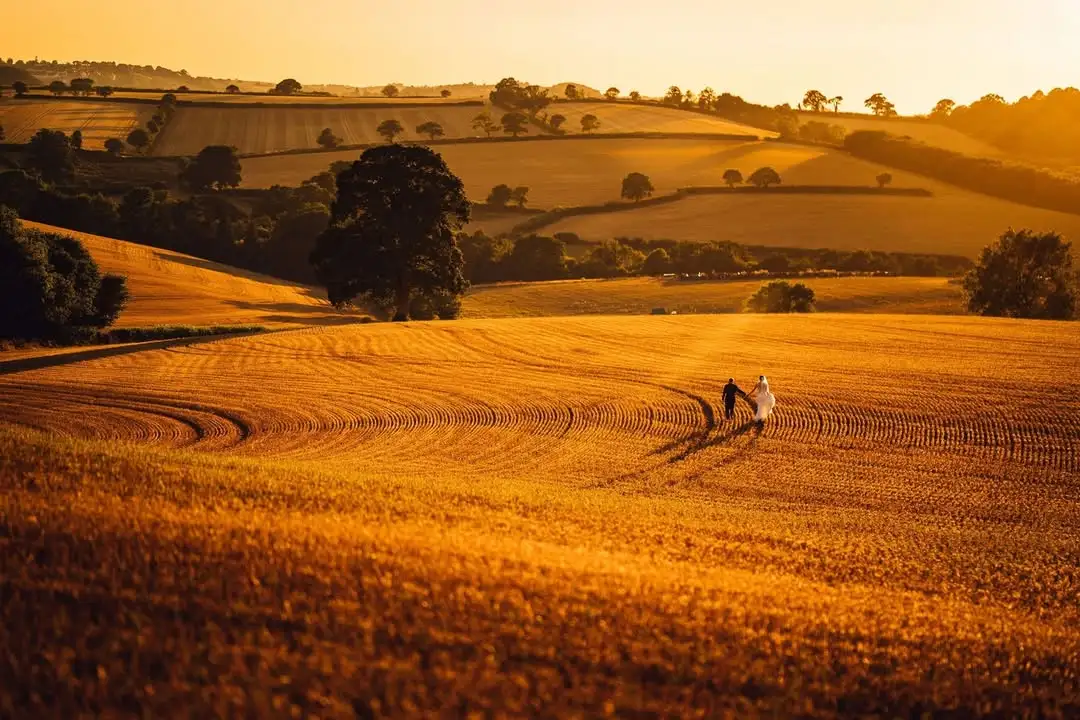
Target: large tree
{"points": [[764, 177], [514, 123], [391, 91], [485, 124], [943, 109], [216, 166], [1024, 275], [138, 139], [392, 230], [636, 186], [58, 87], [571, 91], [82, 86], [880, 105], [814, 100], [589, 122], [232, 89], [611, 93], [780, 296], [288, 86], [50, 154]]}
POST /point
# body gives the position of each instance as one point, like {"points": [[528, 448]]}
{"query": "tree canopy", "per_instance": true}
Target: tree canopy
{"points": [[880, 105], [392, 230], [764, 177], [50, 154], [431, 129], [485, 124], [733, 177], [500, 195], [1024, 275], [391, 91], [216, 166], [390, 129], [288, 86], [556, 121], [589, 122], [138, 138], [515, 123], [611, 93], [814, 100], [636, 186], [328, 139], [780, 296]]}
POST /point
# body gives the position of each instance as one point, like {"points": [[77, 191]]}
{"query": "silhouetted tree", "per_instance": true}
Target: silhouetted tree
{"points": [[82, 86], [520, 196], [50, 154], [589, 123], [571, 91], [138, 139], [103, 91], [288, 86], [884, 179], [445, 93], [392, 230], [57, 87], [390, 129], [780, 296], [431, 129], [114, 146], [943, 109], [232, 89], [20, 88], [835, 102], [500, 195], [184, 89], [391, 91], [706, 99], [880, 105], [657, 262], [764, 177], [635, 95], [328, 139], [216, 166], [611, 93], [168, 100], [636, 186], [485, 124], [814, 100], [1024, 275], [674, 96], [556, 121], [514, 123], [534, 257], [76, 140], [733, 177]]}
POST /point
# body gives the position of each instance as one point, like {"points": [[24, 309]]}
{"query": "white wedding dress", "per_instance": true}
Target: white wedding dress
{"points": [[766, 401]]}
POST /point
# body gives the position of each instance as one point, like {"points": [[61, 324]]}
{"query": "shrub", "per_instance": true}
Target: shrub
{"points": [[1024, 275], [50, 287], [780, 296]]}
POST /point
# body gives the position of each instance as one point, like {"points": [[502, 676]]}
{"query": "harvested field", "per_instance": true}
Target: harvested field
{"points": [[923, 131], [241, 99], [274, 129], [98, 121], [360, 521], [640, 295], [169, 288], [623, 118]]}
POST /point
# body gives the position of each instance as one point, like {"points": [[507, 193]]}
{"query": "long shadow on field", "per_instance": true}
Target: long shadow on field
{"points": [[700, 441], [9, 367], [299, 313]]}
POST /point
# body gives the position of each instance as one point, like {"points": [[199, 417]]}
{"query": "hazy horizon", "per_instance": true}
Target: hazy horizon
{"points": [[915, 54]]}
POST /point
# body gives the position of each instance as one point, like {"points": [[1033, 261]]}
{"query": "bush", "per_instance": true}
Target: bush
{"points": [[781, 296], [1024, 275], [50, 287]]}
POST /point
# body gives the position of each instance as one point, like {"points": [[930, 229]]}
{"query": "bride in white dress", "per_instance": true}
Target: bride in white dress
{"points": [[764, 399]]}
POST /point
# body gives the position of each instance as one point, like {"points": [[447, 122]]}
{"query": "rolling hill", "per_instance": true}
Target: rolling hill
{"points": [[169, 288], [924, 131], [361, 521], [98, 121], [620, 117]]}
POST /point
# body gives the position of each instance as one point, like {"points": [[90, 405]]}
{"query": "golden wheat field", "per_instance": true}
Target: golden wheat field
{"points": [[617, 117], [923, 131], [169, 288], [241, 99], [639, 296], [274, 129], [549, 517], [98, 121]]}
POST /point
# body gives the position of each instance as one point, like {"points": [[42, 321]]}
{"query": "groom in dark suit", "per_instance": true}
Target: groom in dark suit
{"points": [[731, 391]]}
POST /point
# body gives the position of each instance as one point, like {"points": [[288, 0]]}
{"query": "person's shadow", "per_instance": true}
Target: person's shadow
{"points": [[689, 446]]}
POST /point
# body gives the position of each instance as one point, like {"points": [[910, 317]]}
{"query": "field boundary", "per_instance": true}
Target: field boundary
{"points": [[553, 216], [375, 105]]}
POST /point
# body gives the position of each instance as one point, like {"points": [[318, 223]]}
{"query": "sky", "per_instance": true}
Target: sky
{"points": [[914, 51]]}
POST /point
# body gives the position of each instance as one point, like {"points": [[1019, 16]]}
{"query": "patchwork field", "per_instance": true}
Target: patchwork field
{"points": [[640, 295], [262, 130], [98, 121], [169, 288], [623, 118], [359, 521], [930, 133], [241, 99]]}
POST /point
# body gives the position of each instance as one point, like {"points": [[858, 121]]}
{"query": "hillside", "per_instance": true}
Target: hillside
{"points": [[619, 117], [638, 296], [11, 74], [98, 121], [924, 131], [169, 288], [361, 521], [273, 129]]}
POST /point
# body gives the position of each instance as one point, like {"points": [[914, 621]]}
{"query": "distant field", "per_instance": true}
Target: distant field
{"points": [[98, 121], [623, 117], [169, 288], [242, 99], [926, 132], [261, 130], [641, 295]]}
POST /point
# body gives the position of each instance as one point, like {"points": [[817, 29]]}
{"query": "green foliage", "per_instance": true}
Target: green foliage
{"points": [[82, 86], [571, 91], [76, 140], [390, 129], [216, 166], [50, 154], [780, 296], [674, 96], [764, 177], [1024, 275], [635, 95], [50, 287], [328, 139], [392, 232], [636, 186]]}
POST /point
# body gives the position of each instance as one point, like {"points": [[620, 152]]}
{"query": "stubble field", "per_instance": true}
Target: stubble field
{"points": [[625, 118], [98, 121], [549, 516]]}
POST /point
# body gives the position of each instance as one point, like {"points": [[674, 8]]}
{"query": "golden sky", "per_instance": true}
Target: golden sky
{"points": [[915, 51]]}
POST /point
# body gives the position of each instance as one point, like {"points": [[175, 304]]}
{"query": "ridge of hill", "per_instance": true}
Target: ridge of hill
{"points": [[10, 74]]}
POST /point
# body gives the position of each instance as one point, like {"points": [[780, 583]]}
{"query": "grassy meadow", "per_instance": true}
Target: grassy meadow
{"points": [[638, 296], [98, 121], [358, 521]]}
